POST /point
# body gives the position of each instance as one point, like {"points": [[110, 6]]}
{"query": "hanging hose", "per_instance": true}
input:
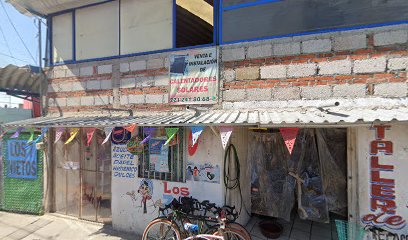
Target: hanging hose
{"points": [[232, 182]]}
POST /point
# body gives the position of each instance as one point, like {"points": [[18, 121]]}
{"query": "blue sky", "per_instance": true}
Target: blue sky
{"points": [[12, 45]]}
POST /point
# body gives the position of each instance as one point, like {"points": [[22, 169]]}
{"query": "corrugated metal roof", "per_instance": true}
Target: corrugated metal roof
{"points": [[46, 7], [270, 117], [13, 78]]}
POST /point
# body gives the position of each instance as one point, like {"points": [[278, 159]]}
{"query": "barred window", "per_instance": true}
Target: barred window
{"points": [[159, 161]]}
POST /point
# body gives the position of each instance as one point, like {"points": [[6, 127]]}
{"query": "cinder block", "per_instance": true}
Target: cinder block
{"points": [[286, 93], [371, 65], [93, 85], [73, 101], [138, 65], [87, 101], [259, 51], [124, 100], [127, 83], [106, 84], [136, 99], [51, 102], [352, 42], [398, 63], [145, 81], [316, 92], [349, 90], [391, 37], [124, 67], [54, 87], [78, 86], [65, 87], [60, 102], [104, 69], [233, 54], [234, 95], [284, 49], [59, 73], [154, 99], [316, 46], [302, 70], [247, 73], [259, 94], [228, 75], [161, 80], [390, 89], [102, 100], [155, 63], [335, 67], [72, 72], [86, 71], [273, 71]]}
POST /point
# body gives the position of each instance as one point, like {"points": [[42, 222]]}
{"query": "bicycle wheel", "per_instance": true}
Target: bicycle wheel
{"points": [[233, 225], [162, 229], [231, 234]]}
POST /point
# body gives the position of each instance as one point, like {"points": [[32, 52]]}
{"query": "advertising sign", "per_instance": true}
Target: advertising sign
{"points": [[382, 177], [21, 159], [194, 77]]}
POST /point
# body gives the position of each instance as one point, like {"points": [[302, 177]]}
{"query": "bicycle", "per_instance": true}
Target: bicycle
{"points": [[166, 227]]}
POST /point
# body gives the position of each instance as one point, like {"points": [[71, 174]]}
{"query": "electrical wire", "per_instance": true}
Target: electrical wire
{"points": [[15, 29], [231, 181], [6, 55], [6, 42]]}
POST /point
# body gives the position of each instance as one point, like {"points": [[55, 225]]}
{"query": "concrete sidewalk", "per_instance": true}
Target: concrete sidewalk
{"points": [[52, 226]]}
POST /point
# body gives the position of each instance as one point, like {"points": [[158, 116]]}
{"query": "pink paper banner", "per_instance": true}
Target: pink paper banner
{"points": [[289, 136]]}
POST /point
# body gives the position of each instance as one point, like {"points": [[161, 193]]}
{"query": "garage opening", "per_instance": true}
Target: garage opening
{"points": [[303, 188]]}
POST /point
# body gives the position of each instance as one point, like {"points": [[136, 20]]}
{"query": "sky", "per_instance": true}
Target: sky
{"points": [[12, 50]]}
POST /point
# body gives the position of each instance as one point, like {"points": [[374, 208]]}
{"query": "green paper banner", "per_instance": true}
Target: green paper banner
{"points": [[171, 132], [31, 135]]}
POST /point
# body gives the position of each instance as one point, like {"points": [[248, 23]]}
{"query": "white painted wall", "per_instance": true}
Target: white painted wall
{"points": [[62, 37], [398, 135], [127, 214], [146, 25], [96, 31]]}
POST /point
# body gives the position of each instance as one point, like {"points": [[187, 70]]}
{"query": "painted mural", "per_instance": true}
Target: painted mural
{"points": [[382, 177], [136, 201], [206, 172]]}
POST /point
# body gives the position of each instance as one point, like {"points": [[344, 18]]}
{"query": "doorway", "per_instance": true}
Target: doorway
{"points": [[83, 177]]}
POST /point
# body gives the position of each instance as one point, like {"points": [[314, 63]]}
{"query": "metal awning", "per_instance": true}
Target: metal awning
{"points": [[20, 81], [279, 117], [45, 7]]}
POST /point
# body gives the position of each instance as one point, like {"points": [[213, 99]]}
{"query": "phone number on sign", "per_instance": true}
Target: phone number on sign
{"points": [[193, 99]]}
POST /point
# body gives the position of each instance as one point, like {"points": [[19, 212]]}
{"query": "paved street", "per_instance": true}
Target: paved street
{"points": [[53, 226]]}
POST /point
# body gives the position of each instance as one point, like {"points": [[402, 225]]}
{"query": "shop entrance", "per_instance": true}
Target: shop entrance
{"points": [[83, 177], [305, 189]]}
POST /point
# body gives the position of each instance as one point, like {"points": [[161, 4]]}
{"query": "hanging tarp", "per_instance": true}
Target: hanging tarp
{"points": [[272, 189], [332, 145], [304, 166]]}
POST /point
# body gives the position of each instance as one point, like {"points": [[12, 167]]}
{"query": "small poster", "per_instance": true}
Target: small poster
{"points": [[159, 155], [206, 172], [194, 77]]}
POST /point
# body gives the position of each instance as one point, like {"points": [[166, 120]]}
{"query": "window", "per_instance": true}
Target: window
{"points": [[62, 38], [162, 162], [145, 25], [121, 28], [96, 31], [195, 22]]}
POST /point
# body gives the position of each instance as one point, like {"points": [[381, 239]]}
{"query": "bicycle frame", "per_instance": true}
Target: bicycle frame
{"points": [[205, 236]]}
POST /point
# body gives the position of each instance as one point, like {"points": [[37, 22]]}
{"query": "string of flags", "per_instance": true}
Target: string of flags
{"points": [[123, 134]]}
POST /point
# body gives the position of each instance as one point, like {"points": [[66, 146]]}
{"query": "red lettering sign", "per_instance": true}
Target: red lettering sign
{"points": [[382, 202]]}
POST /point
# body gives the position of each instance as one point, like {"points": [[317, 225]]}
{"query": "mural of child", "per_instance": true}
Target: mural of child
{"points": [[145, 191], [196, 173]]}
